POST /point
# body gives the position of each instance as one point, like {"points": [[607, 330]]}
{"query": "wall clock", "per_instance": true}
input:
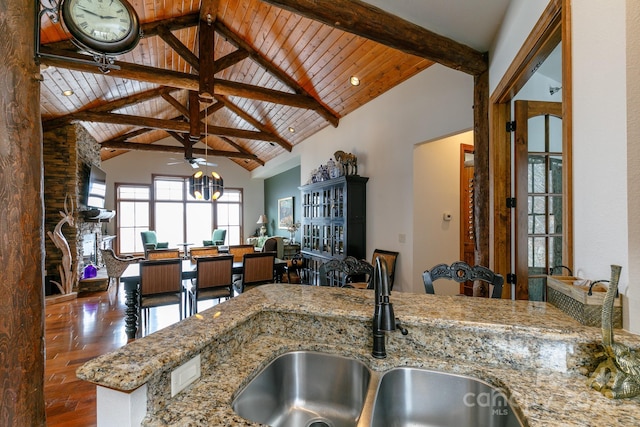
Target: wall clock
{"points": [[109, 27]]}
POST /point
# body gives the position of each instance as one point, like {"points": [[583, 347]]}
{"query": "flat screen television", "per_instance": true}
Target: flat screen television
{"points": [[96, 188]]}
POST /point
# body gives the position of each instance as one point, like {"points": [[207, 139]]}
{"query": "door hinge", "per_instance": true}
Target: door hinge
{"points": [[512, 279], [511, 202], [511, 126]]}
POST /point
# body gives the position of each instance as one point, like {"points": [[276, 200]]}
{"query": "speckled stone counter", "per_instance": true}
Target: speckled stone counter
{"points": [[532, 351]]}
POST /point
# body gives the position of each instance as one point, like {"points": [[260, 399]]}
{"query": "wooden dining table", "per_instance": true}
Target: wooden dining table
{"points": [[131, 281]]}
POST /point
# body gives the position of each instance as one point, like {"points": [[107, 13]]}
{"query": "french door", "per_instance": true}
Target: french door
{"points": [[538, 179]]}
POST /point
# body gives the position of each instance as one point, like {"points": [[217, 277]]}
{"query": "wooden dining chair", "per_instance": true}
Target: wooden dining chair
{"points": [[346, 273], [238, 251], [296, 269], [391, 258], [214, 280], [203, 251], [460, 272], [258, 268], [163, 253], [160, 284]]}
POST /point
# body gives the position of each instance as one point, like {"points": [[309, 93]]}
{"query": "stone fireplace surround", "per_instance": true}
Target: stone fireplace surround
{"points": [[68, 152]]}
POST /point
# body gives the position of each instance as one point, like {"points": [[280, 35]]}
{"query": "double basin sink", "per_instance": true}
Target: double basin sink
{"points": [[311, 389]]}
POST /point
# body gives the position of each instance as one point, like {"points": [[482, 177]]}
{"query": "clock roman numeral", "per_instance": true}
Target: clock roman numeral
{"points": [[84, 24]]}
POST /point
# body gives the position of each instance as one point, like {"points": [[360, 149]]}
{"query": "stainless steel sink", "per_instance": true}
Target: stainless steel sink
{"points": [[306, 389], [419, 397], [310, 389]]}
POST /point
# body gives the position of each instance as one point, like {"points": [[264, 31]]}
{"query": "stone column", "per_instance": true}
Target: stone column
{"points": [[21, 221]]}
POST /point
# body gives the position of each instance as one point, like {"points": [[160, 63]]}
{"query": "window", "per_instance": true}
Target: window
{"points": [[229, 215], [132, 204], [174, 214]]}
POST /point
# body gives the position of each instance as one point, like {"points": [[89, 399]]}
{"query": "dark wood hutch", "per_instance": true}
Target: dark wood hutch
{"points": [[334, 221]]}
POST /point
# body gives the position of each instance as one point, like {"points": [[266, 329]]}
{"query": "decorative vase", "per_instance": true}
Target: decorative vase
{"points": [[334, 170]]}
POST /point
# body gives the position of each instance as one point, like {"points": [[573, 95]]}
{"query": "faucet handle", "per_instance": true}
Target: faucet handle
{"points": [[402, 329]]}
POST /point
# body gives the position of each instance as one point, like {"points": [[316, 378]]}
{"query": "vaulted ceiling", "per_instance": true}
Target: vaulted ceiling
{"points": [[249, 78]]}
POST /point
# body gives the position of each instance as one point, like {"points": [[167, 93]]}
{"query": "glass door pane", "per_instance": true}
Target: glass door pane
{"points": [[544, 186]]}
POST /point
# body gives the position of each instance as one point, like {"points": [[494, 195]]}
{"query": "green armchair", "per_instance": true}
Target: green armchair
{"points": [[150, 241], [217, 238]]}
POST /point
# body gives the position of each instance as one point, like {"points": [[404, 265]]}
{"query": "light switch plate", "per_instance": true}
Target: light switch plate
{"points": [[184, 375]]}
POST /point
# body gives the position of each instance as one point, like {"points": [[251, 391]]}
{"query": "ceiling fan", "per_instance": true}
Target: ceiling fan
{"points": [[195, 162]]}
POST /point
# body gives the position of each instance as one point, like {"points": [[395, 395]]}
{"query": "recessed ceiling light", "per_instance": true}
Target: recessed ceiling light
{"points": [[67, 92], [355, 81], [291, 129]]}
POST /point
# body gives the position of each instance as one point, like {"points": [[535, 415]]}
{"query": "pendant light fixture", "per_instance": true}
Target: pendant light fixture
{"points": [[217, 185], [196, 185], [203, 186]]}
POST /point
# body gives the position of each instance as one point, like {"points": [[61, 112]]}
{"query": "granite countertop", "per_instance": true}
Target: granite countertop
{"points": [[531, 350]]}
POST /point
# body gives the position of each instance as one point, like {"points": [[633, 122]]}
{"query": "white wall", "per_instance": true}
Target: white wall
{"points": [[517, 24], [600, 141], [436, 175], [136, 167], [435, 103], [631, 302]]}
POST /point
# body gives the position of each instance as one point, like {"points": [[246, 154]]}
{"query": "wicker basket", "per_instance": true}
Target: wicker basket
{"points": [[575, 301]]}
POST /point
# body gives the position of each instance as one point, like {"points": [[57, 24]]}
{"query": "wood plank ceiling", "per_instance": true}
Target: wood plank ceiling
{"points": [[278, 77]]}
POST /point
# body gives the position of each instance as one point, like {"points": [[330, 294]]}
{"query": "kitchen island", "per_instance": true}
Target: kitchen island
{"points": [[532, 351]]}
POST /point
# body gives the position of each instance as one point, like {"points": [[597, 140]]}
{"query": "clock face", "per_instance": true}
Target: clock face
{"points": [[105, 26], [105, 20]]}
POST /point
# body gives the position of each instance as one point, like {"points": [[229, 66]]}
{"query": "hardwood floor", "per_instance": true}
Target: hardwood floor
{"points": [[77, 331]]}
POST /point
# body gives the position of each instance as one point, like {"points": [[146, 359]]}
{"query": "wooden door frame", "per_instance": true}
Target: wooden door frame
{"points": [[464, 185], [553, 27]]}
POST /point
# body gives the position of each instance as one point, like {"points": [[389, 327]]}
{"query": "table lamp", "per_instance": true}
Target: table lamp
{"points": [[262, 220]]}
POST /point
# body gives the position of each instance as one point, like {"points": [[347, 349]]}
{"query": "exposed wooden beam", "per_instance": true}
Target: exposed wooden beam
{"points": [[132, 134], [175, 79], [256, 56], [136, 146], [210, 109], [176, 104], [175, 43], [373, 23], [168, 125], [206, 37], [239, 148], [229, 88], [194, 117], [149, 29], [110, 106], [203, 115], [230, 59], [208, 112], [481, 179], [253, 122], [188, 153]]}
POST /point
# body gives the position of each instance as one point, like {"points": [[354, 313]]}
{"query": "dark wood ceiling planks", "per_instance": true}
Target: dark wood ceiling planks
{"points": [[318, 58]]}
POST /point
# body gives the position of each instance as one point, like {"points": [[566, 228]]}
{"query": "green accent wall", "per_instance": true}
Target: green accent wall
{"points": [[277, 187]]}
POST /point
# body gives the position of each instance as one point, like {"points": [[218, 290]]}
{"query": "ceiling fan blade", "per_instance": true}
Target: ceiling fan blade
{"points": [[194, 165]]}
